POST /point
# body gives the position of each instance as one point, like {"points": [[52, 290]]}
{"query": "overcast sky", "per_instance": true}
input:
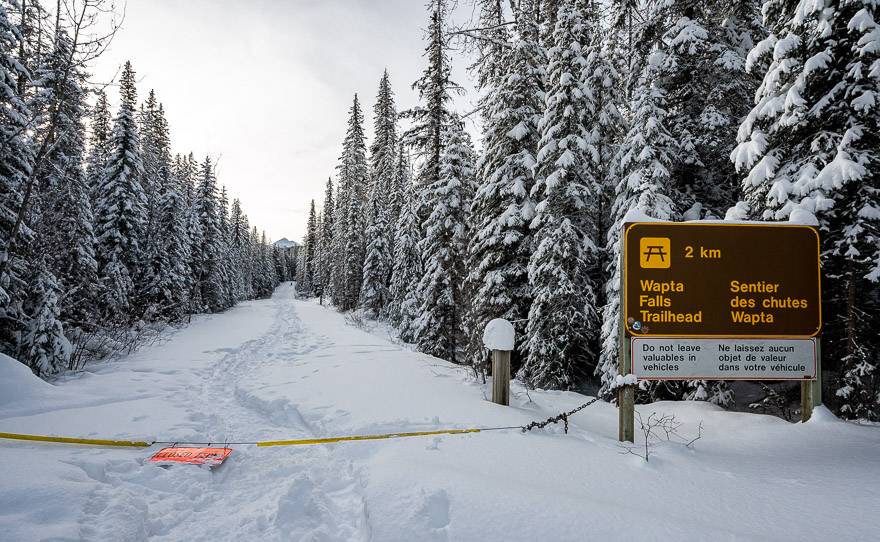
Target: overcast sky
{"points": [[265, 85]]}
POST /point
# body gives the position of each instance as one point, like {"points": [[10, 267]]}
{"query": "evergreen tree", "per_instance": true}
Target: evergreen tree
{"points": [[384, 145], [64, 224], [269, 277], [349, 243], [74, 254], [239, 246], [229, 272], [309, 248], [120, 205], [642, 163], [15, 170], [172, 274], [258, 274], [208, 259], [280, 265], [400, 177], [700, 72], [300, 274], [502, 209], [430, 119], [44, 347], [99, 144], [605, 125], [325, 252], [167, 242], [155, 156], [563, 323], [438, 329], [811, 140], [406, 272], [377, 262], [379, 237], [185, 173]]}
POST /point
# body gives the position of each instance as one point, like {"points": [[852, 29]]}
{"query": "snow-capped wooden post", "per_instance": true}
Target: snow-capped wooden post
{"points": [[498, 337]]}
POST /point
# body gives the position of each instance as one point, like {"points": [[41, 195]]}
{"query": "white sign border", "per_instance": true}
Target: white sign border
{"points": [[812, 378]]}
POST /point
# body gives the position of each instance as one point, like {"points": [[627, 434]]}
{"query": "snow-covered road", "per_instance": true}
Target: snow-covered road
{"points": [[282, 368]]}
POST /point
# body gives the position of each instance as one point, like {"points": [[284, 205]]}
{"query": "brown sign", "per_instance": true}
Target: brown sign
{"points": [[721, 280]]}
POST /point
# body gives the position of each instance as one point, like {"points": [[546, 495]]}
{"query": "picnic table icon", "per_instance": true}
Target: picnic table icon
{"points": [[655, 253]]}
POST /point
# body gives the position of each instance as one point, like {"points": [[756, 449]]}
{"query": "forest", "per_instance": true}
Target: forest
{"points": [[681, 110], [105, 236], [678, 109]]}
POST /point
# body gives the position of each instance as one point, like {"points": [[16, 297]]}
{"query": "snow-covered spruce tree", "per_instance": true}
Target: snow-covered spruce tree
{"points": [[401, 178], [325, 246], [185, 172], [173, 274], [493, 42], [383, 148], [257, 275], [279, 262], [155, 157], [300, 274], [120, 207], [229, 271], [379, 235], [439, 327], [812, 141], [309, 248], [336, 248], [642, 165], [208, 264], [353, 182], [377, 262], [75, 263], [269, 276], [239, 231], [605, 125], [167, 269], [99, 144], [16, 159], [316, 262], [432, 116], [548, 10], [563, 322], [64, 218], [705, 45], [502, 208], [44, 347], [403, 307]]}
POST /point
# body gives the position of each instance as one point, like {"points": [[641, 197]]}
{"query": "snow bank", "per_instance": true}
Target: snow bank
{"points": [[498, 335], [18, 383], [821, 414], [637, 215]]}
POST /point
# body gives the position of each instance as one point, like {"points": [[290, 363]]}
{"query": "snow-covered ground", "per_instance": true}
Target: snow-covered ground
{"points": [[283, 368]]}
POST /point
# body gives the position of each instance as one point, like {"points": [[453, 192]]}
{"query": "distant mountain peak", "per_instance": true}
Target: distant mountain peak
{"points": [[284, 242]]}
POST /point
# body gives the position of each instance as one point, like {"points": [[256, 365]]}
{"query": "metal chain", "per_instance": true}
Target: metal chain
{"points": [[561, 417]]}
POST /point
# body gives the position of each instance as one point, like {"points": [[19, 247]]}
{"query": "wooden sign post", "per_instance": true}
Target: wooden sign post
{"points": [[499, 338], [720, 301], [626, 396], [501, 377]]}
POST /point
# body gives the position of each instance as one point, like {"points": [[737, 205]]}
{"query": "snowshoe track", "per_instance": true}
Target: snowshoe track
{"points": [[302, 493]]}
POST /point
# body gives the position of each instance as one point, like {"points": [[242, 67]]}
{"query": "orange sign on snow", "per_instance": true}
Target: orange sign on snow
{"points": [[212, 457]]}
